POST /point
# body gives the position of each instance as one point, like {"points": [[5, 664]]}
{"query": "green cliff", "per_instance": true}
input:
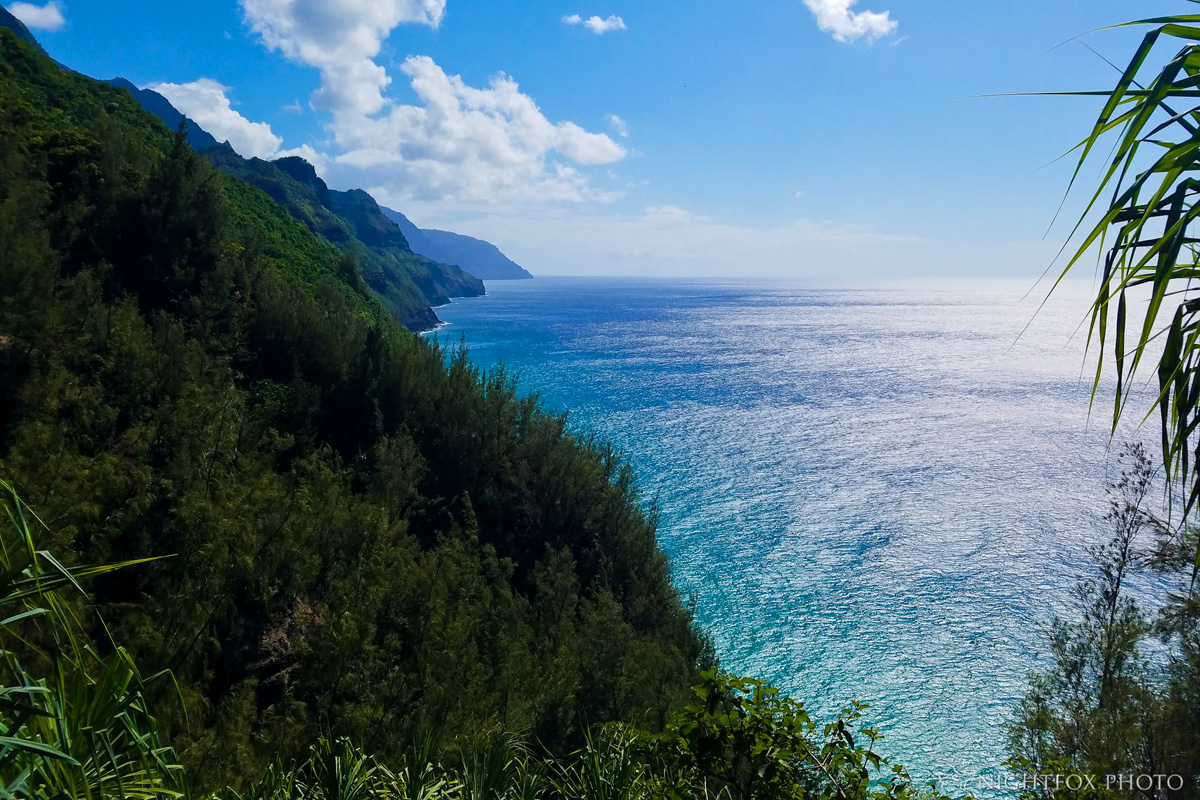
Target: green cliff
{"points": [[361, 535]]}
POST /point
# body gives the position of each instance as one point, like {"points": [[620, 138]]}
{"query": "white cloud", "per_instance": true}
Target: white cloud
{"points": [[341, 38], [207, 103], [619, 125], [294, 107], [597, 25], [583, 147], [469, 144], [668, 215], [835, 17], [489, 144], [670, 240], [42, 18]]}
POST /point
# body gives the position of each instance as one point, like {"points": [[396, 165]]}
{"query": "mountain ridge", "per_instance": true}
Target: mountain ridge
{"points": [[480, 258], [438, 279], [409, 284], [161, 107], [7, 20]]}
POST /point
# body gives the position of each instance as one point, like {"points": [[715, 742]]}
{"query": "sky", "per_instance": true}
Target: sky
{"points": [[814, 139]]}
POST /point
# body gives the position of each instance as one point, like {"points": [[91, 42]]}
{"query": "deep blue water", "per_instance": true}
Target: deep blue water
{"points": [[878, 493]]}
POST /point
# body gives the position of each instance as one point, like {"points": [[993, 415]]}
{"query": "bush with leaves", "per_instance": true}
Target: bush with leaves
{"points": [[745, 740]]}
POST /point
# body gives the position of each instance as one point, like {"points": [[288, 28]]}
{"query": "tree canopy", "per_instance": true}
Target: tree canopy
{"points": [[357, 534]]}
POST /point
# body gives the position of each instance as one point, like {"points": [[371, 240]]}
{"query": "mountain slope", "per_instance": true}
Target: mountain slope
{"points": [[160, 106], [482, 259], [7, 20], [358, 536], [408, 284], [439, 282]]}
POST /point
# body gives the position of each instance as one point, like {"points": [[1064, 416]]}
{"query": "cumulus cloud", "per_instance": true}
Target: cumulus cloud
{"points": [[341, 38], [460, 142], [837, 18], [41, 18], [207, 102], [619, 125], [470, 144], [597, 25]]}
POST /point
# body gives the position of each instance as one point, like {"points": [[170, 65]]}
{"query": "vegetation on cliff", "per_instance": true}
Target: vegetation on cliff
{"points": [[336, 561], [78, 723], [325, 538], [407, 283], [355, 537]]}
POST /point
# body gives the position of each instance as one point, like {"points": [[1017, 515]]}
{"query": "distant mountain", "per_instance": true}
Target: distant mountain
{"points": [[482, 259], [155, 103], [439, 282], [15, 25]]}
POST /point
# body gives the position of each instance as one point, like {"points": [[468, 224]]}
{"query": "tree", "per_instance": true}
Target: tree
{"points": [[1109, 703]]}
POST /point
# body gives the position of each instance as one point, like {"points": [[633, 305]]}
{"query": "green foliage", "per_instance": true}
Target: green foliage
{"points": [[1148, 236], [369, 540], [1106, 705], [613, 765], [744, 739], [406, 283], [755, 744], [73, 723]]}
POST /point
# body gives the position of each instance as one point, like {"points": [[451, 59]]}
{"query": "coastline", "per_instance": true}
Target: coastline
{"points": [[441, 324]]}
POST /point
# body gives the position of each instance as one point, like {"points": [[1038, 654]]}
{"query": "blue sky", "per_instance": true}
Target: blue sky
{"points": [[791, 138]]}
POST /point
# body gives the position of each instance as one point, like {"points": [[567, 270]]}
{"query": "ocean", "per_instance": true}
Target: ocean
{"points": [[880, 493]]}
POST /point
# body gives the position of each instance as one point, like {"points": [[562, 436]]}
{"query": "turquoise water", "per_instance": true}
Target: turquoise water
{"points": [[877, 493]]}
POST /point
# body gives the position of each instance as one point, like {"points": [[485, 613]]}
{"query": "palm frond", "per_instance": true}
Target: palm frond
{"points": [[1147, 233]]}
